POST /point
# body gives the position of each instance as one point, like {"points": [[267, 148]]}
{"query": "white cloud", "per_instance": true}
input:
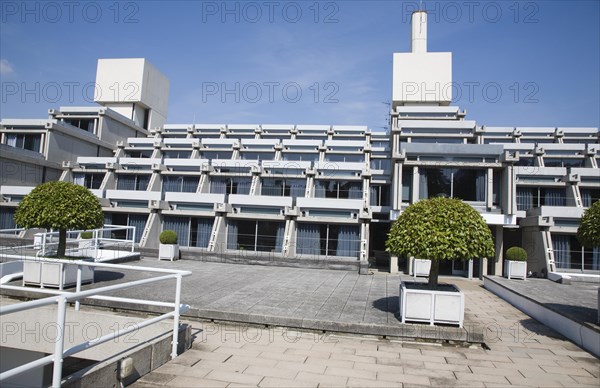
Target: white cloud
{"points": [[5, 67]]}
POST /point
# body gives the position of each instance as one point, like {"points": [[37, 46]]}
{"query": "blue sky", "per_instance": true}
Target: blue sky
{"points": [[543, 57]]}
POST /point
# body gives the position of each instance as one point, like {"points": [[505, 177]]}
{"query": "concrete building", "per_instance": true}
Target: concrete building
{"points": [[326, 195]]}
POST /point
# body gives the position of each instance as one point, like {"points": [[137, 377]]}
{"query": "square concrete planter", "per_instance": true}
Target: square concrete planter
{"points": [[420, 304], [421, 267], [168, 252], [49, 273], [515, 269]]}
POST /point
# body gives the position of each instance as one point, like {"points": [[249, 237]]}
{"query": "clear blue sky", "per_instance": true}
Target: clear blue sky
{"points": [[542, 56]]}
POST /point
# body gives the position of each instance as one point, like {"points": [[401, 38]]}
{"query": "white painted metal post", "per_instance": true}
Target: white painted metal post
{"points": [[60, 342], [176, 317], [78, 286], [133, 241]]}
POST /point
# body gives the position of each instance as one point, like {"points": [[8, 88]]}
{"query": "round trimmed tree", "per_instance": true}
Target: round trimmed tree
{"points": [[588, 232], [440, 229], [62, 206]]}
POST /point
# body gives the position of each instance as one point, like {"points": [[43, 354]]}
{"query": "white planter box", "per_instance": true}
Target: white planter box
{"points": [[87, 248], [419, 304], [515, 269], [168, 252], [49, 273], [421, 267]]}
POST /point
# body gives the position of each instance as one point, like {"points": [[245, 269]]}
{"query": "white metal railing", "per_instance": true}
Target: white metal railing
{"points": [[14, 231], [47, 242], [63, 297]]}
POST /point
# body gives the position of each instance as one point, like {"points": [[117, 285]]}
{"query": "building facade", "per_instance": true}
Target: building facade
{"points": [[326, 195]]}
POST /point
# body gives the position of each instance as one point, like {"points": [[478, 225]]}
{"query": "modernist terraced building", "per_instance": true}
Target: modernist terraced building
{"points": [[321, 195]]}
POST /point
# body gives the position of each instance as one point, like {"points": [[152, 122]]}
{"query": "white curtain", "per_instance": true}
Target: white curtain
{"points": [[204, 231], [181, 226], [79, 179], [554, 197], [11, 140], [279, 236], [480, 186], [308, 239], [232, 235], [562, 250], [423, 189], [218, 186], [524, 198], [348, 241]]}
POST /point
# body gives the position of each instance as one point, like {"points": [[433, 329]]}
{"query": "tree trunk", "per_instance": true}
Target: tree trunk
{"points": [[62, 243], [433, 274]]}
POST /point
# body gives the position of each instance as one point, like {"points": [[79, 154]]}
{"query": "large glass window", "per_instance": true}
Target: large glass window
{"points": [[216, 155], [180, 184], [133, 182], [191, 231], [569, 254], [225, 185], [260, 236], [380, 195], [301, 156], [137, 220], [85, 124], [338, 189], [283, 187], [564, 162], [257, 155], [328, 240], [177, 154], [352, 158], [7, 220], [28, 142], [91, 181], [589, 196], [529, 197], [139, 153], [466, 184], [407, 181], [380, 164]]}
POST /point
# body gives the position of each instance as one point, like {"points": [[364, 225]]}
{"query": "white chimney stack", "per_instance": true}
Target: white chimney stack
{"points": [[419, 32]]}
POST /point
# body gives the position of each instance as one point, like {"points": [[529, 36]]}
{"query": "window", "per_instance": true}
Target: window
{"points": [[26, 142], [136, 220], [529, 197], [7, 218], [564, 162], [407, 180], [569, 254], [328, 240], [589, 196], [222, 185], [91, 181], [257, 236], [85, 124], [380, 164], [133, 182], [283, 187], [216, 155], [466, 184], [338, 189], [380, 195], [177, 154], [299, 156], [353, 158], [180, 184], [138, 153], [257, 155], [191, 231]]}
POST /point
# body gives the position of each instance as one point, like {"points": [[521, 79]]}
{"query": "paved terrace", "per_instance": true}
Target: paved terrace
{"points": [[519, 350]]}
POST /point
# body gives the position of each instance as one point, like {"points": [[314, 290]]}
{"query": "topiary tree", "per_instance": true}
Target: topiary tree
{"points": [[516, 254], [440, 229], [62, 206], [588, 232], [168, 237]]}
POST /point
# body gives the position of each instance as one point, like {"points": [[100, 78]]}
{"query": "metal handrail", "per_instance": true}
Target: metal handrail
{"points": [[64, 297]]}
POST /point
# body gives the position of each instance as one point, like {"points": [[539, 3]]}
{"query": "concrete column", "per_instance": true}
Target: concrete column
{"points": [[415, 185], [397, 187], [483, 267], [499, 234]]}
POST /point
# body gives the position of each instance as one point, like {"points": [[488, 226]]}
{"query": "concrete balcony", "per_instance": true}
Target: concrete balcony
{"points": [[133, 195], [329, 203], [260, 201], [174, 197]]}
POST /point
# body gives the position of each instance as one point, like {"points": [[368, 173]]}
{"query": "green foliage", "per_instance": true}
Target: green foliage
{"points": [[516, 254], [62, 206], [59, 205], [168, 237], [588, 233], [440, 229], [86, 235]]}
